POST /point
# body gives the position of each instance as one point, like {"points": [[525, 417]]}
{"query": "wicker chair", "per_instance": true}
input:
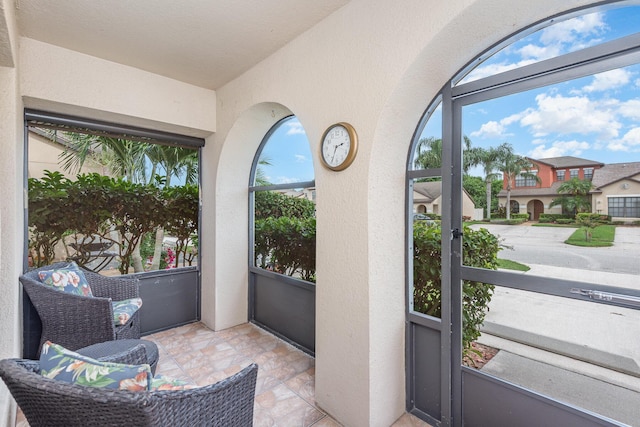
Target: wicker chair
{"points": [[75, 321], [47, 402]]}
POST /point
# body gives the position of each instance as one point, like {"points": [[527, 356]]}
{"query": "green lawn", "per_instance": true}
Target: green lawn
{"points": [[512, 265], [548, 224], [603, 235]]}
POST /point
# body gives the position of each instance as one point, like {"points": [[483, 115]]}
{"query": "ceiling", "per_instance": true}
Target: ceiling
{"points": [[203, 42]]}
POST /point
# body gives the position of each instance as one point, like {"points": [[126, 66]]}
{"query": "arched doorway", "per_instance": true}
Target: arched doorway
{"points": [[526, 98], [535, 208]]}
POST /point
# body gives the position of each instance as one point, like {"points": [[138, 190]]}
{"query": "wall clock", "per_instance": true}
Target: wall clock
{"points": [[339, 146]]}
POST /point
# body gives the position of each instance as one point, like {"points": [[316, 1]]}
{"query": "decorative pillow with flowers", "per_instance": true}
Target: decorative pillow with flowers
{"points": [[161, 382], [56, 362], [68, 279], [123, 310]]}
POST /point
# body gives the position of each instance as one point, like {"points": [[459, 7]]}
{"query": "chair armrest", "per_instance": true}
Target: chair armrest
{"points": [[117, 288], [228, 402], [136, 355]]}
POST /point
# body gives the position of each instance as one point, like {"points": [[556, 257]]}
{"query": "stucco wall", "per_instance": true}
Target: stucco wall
{"points": [[62, 81], [623, 188], [11, 195], [376, 64]]}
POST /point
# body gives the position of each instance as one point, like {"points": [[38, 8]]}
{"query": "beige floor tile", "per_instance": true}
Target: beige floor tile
{"points": [[285, 387]]}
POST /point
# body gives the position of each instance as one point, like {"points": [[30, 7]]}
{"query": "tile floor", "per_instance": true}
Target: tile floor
{"points": [[285, 385]]}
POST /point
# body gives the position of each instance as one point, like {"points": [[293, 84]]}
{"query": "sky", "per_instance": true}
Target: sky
{"points": [[289, 154], [595, 117]]}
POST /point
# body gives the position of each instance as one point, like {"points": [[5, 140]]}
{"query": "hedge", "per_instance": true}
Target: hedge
{"points": [[480, 249]]}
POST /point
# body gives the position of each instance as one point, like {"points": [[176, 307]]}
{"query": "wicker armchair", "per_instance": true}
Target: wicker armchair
{"points": [[75, 321], [47, 402]]}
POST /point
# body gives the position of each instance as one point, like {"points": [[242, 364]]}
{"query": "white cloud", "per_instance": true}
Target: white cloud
{"points": [[286, 180], [295, 128], [608, 80], [490, 129], [630, 109], [539, 53], [558, 149], [493, 129], [300, 158], [572, 114], [572, 31], [629, 142]]}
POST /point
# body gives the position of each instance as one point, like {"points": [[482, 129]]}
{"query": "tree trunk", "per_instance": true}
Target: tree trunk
{"points": [[136, 258], [157, 250], [488, 200], [508, 203]]}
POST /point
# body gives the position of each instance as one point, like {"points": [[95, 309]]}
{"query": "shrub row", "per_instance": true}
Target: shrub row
{"points": [[96, 205], [480, 249]]}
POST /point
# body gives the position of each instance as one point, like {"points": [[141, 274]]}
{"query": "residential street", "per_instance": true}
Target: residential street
{"points": [[545, 246]]}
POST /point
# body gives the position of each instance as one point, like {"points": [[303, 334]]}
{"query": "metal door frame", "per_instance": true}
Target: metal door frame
{"points": [[465, 393]]}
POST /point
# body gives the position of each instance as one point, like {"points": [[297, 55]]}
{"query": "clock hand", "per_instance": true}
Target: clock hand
{"points": [[334, 151]]}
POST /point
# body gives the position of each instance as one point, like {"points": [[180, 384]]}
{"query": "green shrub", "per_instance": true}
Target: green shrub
{"points": [[512, 221], [480, 249], [593, 217], [564, 221], [94, 206], [287, 245], [524, 216], [555, 217], [273, 204], [545, 220]]}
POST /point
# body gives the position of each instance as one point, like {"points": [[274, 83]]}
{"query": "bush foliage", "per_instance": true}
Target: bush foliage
{"points": [[285, 235], [480, 249], [97, 208]]}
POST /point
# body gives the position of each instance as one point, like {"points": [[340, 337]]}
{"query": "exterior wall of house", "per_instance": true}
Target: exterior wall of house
{"points": [[53, 79], [11, 172], [375, 67], [546, 174], [43, 155], [525, 204], [623, 188]]}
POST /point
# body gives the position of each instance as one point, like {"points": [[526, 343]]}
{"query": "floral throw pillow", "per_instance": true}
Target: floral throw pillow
{"points": [[161, 382], [68, 279], [58, 363], [123, 310]]}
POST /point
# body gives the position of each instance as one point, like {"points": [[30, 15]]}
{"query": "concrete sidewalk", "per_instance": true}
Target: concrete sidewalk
{"points": [[578, 352]]}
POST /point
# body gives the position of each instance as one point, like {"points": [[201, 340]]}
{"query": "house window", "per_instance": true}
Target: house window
{"points": [[560, 175], [588, 174], [528, 180], [573, 173], [625, 207], [515, 207]]}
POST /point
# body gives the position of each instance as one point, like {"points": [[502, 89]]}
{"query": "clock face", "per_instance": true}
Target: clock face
{"points": [[338, 146]]}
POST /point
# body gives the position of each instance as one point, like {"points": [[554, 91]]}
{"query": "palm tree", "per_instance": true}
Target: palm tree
{"points": [[430, 154], [512, 165], [121, 157], [175, 161], [261, 178], [574, 197], [489, 159], [129, 159]]}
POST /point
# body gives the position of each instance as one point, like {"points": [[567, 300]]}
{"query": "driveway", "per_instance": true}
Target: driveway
{"points": [[545, 246]]}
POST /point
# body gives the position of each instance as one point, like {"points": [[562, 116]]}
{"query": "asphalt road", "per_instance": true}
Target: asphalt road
{"points": [[545, 245]]}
